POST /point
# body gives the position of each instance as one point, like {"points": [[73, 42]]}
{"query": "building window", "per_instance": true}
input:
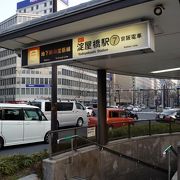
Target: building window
{"points": [[37, 80], [50, 2], [46, 80], [37, 6], [46, 91], [32, 8], [50, 10], [24, 10], [28, 81], [23, 71], [41, 91], [32, 91], [41, 81], [32, 80], [23, 81], [37, 91], [45, 4], [45, 11], [28, 91], [23, 91]]}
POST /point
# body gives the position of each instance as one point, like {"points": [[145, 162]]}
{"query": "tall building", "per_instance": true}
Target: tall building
{"points": [[19, 84], [134, 90], [41, 7]]}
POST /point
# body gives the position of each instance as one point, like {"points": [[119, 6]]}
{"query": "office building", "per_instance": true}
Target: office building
{"points": [[19, 84]]}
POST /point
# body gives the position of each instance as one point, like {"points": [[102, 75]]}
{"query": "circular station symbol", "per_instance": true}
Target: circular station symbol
{"points": [[114, 40]]}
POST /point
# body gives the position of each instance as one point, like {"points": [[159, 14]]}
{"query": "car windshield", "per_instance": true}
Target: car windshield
{"points": [[168, 112]]}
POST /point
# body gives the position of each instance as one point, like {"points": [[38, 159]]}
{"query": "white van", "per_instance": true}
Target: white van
{"points": [[69, 113], [21, 124]]}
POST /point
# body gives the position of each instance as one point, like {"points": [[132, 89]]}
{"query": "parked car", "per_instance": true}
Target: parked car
{"points": [[21, 124], [115, 118], [136, 109], [169, 115], [69, 113], [89, 110], [132, 114], [130, 107]]}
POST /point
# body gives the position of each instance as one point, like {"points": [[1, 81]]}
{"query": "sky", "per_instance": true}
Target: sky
{"points": [[8, 7]]}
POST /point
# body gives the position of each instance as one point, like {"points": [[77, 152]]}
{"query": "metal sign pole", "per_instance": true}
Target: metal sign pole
{"points": [[169, 165]]}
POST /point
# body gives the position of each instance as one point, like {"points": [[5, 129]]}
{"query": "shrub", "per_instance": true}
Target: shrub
{"points": [[11, 165]]}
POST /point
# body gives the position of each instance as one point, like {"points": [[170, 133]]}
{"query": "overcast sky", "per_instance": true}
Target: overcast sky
{"points": [[8, 7]]}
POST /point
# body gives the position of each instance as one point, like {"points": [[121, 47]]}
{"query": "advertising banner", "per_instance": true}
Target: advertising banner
{"points": [[47, 53]]}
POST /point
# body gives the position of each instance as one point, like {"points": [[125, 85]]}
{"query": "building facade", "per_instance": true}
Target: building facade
{"points": [[134, 90], [40, 7], [20, 84]]}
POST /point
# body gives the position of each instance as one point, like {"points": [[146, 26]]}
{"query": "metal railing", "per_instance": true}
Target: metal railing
{"points": [[144, 127], [167, 152], [116, 153], [127, 130], [66, 145]]}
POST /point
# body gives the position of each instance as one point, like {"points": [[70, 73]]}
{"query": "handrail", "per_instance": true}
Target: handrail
{"points": [[170, 148], [168, 151], [102, 147]]}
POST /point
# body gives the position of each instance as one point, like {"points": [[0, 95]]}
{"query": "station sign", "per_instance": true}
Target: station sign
{"points": [[121, 39], [137, 37]]}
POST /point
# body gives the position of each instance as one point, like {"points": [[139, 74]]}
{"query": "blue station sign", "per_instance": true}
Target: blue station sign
{"points": [[38, 85], [26, 3]]}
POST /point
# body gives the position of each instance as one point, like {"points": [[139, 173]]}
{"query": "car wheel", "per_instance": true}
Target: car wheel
{"points": [[80, 122], [1, 143], [46, 138]]}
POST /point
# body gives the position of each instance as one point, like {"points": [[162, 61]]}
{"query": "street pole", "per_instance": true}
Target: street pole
{"points": [[164, 96], [54, 98], [169, 165], [177, 97]]}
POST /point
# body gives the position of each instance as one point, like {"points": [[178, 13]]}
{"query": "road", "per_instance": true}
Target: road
{"points": [[37, 147], [24, 149]]}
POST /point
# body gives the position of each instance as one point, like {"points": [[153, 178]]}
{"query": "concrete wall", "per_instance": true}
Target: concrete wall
{"points": [[92, 164]]}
